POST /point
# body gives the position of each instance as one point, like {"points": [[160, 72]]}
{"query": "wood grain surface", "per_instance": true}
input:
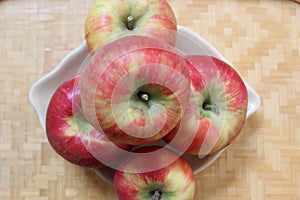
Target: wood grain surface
{"points": [[261, 38]]}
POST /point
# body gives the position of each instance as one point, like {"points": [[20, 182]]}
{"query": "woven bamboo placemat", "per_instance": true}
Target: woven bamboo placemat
{"points": [[261, 38]]}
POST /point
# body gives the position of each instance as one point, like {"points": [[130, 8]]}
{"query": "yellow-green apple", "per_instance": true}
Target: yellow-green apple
{"points": [[69, 133], [134, 89], [113, 18], [221, 101], [135, 181]]}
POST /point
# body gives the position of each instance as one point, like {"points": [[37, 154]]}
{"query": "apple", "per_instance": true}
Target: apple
{"points": [[221, 98], [69, 133], [148, 176], [111, 19], [134, 89]]}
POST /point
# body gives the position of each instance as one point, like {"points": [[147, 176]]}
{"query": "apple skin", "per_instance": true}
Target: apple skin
{"points": [[69, 133], [109, 19], [221, 98], [113, 79], [173, 181]]}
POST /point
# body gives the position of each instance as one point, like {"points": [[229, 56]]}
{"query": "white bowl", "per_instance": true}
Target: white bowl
{"points": [[188, 42]]}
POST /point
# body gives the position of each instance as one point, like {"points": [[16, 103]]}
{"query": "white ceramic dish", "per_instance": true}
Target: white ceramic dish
{"points": [[188, 43]]}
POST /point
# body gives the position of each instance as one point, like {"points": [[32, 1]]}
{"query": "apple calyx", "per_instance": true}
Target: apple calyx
{"points": [[156, 195], [130, 23]]}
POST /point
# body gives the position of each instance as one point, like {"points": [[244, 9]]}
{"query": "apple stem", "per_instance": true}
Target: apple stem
{"points": [[212, 107], [143, 96], [156, 195], [130, 23]]}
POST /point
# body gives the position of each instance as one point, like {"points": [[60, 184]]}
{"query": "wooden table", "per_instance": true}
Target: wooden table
{"points": [[260, 38]]}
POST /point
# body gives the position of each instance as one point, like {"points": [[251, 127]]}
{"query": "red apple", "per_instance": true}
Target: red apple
{"points": [[147, 175], [221, 98], [70, 134], [134, 89], [109, 19]]}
